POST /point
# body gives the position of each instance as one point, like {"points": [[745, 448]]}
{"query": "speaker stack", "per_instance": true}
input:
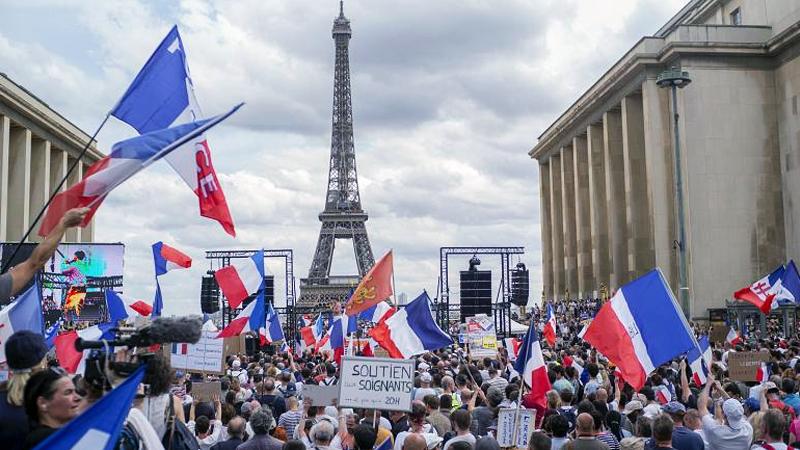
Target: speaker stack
{"points": [[209, 294], [520, 285], [476, 291]]}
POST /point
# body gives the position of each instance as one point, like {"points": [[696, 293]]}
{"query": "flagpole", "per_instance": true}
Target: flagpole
{"points": [[394, 285], [71, 169]]}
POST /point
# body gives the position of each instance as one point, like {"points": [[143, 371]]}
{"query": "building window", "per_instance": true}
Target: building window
{"points": [[736, 16]]}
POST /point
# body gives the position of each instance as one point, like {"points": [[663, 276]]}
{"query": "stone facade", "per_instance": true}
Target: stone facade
{"points": [[37, 146], [607, 165]]}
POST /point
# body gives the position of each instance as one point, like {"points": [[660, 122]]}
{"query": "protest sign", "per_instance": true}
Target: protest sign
{"points": [[204, 356], [743, 366], [376, 383], [513, 424], [480, 323], [321, 395], [482, 345], [204, 391]]}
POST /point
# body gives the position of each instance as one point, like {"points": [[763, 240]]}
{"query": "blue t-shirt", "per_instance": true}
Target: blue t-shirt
{"points": [[682, 439]]}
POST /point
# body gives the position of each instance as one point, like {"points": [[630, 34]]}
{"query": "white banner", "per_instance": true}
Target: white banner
{"points": [[515, 425], [376, 383], [205, 356]]}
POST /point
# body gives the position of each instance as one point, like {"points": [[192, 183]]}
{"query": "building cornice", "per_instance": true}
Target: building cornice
{"points": [[31, 108], [660, 51]]}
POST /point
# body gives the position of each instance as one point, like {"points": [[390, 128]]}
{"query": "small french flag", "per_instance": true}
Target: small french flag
{"points": [[242, 278], [167, 258], [663, 395], [180, 349], [762, 376]]}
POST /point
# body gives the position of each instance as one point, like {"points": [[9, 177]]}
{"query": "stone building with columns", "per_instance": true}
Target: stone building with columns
{"points": [[37, 145], [607, 171]]}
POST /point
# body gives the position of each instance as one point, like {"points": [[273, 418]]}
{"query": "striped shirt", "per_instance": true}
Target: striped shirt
{"points": [[290, 419]]}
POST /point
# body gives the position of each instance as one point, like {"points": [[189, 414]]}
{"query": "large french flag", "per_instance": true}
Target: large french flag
{"points": [[127, 158], [24, 313], [411, 331], [242, 278], [161, 95], [640, 328], [700, 360], [549, 331], [121, 307], [252, 318], [530, 364], [376, 313]]}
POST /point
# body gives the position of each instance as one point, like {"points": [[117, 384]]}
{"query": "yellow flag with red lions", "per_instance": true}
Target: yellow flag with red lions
{"points": [[375, 287]]}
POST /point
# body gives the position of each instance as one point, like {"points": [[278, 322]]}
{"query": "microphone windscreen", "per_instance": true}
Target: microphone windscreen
{"points": [[173, 329]]}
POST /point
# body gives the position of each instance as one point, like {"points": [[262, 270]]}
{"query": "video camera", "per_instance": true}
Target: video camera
{"points": [[162, 330]]}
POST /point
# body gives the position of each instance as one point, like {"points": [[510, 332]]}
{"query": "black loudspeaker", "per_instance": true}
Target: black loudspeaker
{"points": [[476, 293], [269, 292], [520, 285], [209, 294]]}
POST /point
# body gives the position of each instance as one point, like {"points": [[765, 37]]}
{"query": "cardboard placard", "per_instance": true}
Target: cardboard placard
{"points": [[376, 383], [321, 395], [204, 391], [519, 421], [233, 345], [719, 333], [482, 345], [743, 366]]}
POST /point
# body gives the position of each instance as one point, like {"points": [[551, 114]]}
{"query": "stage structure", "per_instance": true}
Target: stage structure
{"points": [[222, 258], [447, 314], [343, 217]]}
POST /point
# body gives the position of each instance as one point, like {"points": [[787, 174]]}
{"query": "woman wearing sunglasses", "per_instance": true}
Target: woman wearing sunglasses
{"points": [[50, 403]]}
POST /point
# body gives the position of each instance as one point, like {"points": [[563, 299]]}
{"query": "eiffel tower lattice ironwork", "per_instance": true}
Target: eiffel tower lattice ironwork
{"points": [[343, 217]]}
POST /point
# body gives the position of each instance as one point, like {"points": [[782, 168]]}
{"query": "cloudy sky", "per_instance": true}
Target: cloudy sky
{"points": [[448, 97]]}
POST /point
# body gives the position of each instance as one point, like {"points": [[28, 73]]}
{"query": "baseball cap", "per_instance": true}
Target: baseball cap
{"points": [[674, 408], [752, 404], [24, 349], [769, 386], [425, 377], [236, 363], [424, 366], [734, 413]]}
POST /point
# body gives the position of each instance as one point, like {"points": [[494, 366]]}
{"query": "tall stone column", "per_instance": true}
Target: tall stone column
{"points": [[19, 182], [660, 176], [615, 195], [40, 180], [568, 202], [582, 217], [641, 253], [73, 234], [557, 226], [547, 246], [5, 137], [598, 206]]}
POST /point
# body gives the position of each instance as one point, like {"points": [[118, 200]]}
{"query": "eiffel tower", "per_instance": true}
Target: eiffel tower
{"points": [[343, 217]]}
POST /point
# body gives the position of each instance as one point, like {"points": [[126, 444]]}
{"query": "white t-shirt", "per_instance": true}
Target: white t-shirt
{"points": [[774, 445], [723, 437], [469, 438]]}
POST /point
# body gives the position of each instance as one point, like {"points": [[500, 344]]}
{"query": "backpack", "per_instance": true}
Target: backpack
{"points": [[178, 437], [569, 414]]}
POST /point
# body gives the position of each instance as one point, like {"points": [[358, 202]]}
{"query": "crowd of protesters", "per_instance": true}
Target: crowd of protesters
{"points": [[456, 399]]}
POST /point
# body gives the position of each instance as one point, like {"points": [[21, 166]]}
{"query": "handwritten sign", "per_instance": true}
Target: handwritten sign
{"points": [[482, 345], [204, 391], [376, 383], [515, 426], [719, 333], [321, 395], [743, 366], [204, 356]]}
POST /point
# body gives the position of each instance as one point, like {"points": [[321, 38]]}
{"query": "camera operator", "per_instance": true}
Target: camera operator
{"points": [[26, 354], [15, 279]]}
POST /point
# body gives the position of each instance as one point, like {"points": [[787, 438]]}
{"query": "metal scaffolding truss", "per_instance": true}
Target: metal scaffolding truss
{"points": [[502, 306], [225, 256]]}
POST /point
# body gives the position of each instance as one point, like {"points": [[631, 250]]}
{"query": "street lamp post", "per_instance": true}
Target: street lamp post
{"points": [[674, 78]]}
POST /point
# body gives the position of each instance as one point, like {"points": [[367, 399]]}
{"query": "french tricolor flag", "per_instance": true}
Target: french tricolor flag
{"points": [[24, 313], [762, 375], [530, 364], [72, 360], [512, 345], [121, 307], [640, 328], [733, 337], [127, 158], [410, 331], [242, 278], [570, 362], [181, 348], [252, 318], [663, 395], [549, 331], [376, 313], [700, 360], [167, 258], [763, 293]]}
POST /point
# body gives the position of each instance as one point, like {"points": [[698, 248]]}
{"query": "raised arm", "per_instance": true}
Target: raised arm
{"points": [[684, 383]]}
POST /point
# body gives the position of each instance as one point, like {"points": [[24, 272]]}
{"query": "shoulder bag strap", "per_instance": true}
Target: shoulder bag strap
{"points": [[171, 420]]}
